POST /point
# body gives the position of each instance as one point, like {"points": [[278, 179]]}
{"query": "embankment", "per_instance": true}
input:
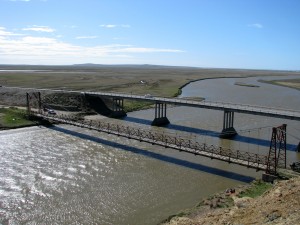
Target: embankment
{"points": [[258, 203]]}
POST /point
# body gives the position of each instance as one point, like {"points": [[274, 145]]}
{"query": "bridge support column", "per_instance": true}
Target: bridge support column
{"points": [[277, 153], [118, 108], [160, 114], [34, 98], [28, 103], [228, 129]]}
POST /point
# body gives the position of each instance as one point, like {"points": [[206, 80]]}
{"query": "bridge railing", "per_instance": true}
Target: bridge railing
{"points": [[248, 159], [225, 105]]}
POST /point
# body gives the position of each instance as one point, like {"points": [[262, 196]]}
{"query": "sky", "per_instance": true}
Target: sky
{"points": [[248, 34]]}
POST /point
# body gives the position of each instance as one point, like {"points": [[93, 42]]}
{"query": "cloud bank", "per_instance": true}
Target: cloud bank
{"points": [[18, 49], [39, 29]]}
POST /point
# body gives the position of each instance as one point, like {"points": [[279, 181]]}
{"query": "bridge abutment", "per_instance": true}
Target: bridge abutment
{"points": [[269, 178], [160, 114], [228, 129]]}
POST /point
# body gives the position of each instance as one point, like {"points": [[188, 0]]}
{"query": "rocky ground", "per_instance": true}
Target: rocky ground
{"points": [[278, 205]]}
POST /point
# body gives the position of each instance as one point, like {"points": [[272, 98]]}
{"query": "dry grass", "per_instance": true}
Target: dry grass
{"points": [[292, 83], [155, 80]]}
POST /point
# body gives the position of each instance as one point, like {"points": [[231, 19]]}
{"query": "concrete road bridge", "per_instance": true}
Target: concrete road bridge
{"points": [[160, 115], [228, 108]]}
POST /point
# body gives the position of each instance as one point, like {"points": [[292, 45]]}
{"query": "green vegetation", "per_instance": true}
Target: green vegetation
{"points": [[256, 189], [291, 83], [130, 106], [14, 118], [164, 81], [136, 79]]}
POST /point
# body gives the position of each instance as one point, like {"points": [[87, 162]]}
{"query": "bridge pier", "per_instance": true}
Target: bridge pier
{"points": [[228, 129], [118, 108], [160, 114], [277, 153], [32, 98]]}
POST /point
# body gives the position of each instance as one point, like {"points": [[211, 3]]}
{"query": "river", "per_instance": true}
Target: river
{"points": [[70, 175]]}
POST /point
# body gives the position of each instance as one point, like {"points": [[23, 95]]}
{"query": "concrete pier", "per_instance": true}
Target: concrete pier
{"points": [[160, 114], [228, 129], [118, 108]]}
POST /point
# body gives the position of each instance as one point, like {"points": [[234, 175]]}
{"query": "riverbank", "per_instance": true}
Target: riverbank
{"points": [[12, 118], [163, 81], [291, 83], [257, 203]]}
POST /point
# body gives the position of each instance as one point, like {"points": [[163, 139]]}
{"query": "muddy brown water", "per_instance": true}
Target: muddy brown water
{"points": [[70, 175]]}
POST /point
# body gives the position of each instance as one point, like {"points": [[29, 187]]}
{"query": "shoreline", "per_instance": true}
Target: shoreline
{"points": [[17, 127], [273, 82], [282, 83], [212, 207]]}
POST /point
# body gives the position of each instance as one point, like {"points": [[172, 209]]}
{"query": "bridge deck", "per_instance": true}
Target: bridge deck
{"points": [[247, 159], [240, 108]]}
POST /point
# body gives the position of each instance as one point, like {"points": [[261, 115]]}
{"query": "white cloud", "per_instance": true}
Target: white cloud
{"points": [[38, 40], [115, 25], [39, 29], [44, 50], [108, 25], [256, 25], [3, 32], [86, 37]]}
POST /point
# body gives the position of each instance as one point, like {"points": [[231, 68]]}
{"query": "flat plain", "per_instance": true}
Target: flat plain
{"points": [[136, 79]]}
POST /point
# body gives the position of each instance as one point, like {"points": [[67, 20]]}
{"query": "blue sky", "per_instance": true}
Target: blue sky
{"points": [[253, 34]]}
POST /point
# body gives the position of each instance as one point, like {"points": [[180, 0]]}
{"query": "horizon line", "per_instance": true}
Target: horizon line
{"points": [[143, 64]]}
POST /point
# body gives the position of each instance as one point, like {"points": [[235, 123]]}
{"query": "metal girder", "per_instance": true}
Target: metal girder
{"points": [[277, 152]]}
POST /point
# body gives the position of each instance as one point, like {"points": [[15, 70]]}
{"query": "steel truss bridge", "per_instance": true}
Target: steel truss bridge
{"points": [[269, 163]]}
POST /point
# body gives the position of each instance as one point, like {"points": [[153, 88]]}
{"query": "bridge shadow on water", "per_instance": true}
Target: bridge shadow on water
{"points": [[158, 156], [203, 132]]}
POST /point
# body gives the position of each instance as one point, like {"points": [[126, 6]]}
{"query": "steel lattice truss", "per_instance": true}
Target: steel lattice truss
{"points": [[247, 159], [277, 152]]}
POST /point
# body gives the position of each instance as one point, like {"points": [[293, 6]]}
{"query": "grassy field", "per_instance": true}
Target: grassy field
{"points": [[165, 81], [155, 80], [13, 118], [292, 83]]}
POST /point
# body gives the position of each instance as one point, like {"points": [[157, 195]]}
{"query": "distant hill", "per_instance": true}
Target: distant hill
{"points": [[92, 66], [88, 66], [129, 66]]}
